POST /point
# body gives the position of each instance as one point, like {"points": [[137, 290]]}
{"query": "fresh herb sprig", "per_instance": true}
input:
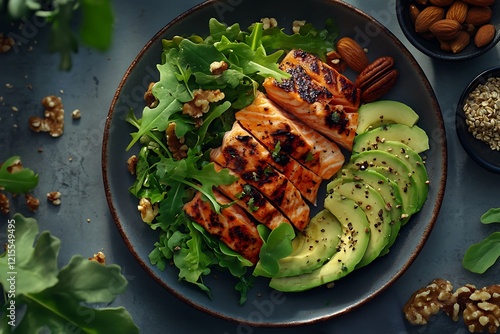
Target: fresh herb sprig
{"points": [[481, 256], [95, 28], [251, 56], [57, 299]]}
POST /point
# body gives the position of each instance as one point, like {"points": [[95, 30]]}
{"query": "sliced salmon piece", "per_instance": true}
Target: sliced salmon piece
{"points": [[331, 114], [252, 201], [303, 179], [241, 153], [273, 127], [344, 91], [232, 226]]}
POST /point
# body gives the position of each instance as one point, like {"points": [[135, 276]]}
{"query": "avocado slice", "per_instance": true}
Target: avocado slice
{"points": [[389, 191], [311, 248], [353, 243], [374, 114], [413, 161], [413, 136], [395, 170], [372, 203]]}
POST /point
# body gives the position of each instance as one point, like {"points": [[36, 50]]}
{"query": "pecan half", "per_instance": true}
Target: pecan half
{"points": [[377, 79]]}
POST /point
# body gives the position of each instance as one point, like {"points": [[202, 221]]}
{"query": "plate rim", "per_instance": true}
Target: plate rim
{"points": [[414, 253]]}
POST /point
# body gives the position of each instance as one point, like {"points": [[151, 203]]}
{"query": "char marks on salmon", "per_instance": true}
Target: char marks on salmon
{"points": [[318, 95], [242, 154], [232, 226], [250, 199], [275, 128]]}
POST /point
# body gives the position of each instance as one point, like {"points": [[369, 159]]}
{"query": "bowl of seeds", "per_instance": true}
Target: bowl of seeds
{"points": [[478, 119]]}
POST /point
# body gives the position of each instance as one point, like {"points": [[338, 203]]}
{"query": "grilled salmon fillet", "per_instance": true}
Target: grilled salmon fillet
{"points": [[331, 113], [232, 226], [344, 91], [306, 182], [241, 153], [252, 201], [273, 127]]}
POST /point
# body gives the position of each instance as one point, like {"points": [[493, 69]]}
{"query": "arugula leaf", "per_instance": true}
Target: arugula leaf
{"points": [[57, 299], [18, 182], [277, 245], [311, 40], [253, 61], [213, 115], [491, 216], [218, 30], [166, 90], [481, 256]]}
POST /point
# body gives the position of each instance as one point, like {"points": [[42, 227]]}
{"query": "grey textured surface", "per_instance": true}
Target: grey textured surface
{"points": [[71, 164]]}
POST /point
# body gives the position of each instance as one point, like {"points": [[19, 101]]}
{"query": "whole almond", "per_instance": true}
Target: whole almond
{"points": [[445, 46], [427, 17], [460, 43], [352, 54], [441, 3], [446, 29], [457, 11], [484, 35], [479, 2], [414, 12], [478, 15]]}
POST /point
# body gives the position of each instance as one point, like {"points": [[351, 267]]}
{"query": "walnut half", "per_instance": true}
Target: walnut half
{"points": [[482, 310], [53, 122], [427, 301]]}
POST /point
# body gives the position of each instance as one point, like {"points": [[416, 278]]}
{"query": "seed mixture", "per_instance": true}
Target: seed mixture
{"points": [[482, 111]]}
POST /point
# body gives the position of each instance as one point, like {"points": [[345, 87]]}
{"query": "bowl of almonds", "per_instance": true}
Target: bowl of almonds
{"points": [[478, 119], [450, 29]]}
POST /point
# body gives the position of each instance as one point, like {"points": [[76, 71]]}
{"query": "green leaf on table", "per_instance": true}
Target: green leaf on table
{"points": [[481, 256], [21, 181], [62, 38], [491, 216], [97, 23], [35, 259], [60, 300]]}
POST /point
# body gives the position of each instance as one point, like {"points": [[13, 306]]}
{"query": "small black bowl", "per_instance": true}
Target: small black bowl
{"points": [[478, 150], [431, 47]]}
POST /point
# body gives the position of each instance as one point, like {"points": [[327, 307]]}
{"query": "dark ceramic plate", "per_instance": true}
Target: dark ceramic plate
{"points": [[266, 307], [431, 47], [478, 150]]}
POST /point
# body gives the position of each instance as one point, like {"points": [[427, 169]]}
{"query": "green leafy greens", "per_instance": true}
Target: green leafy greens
{"points": [[168, 183], [481, 256], [59, 300]]}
